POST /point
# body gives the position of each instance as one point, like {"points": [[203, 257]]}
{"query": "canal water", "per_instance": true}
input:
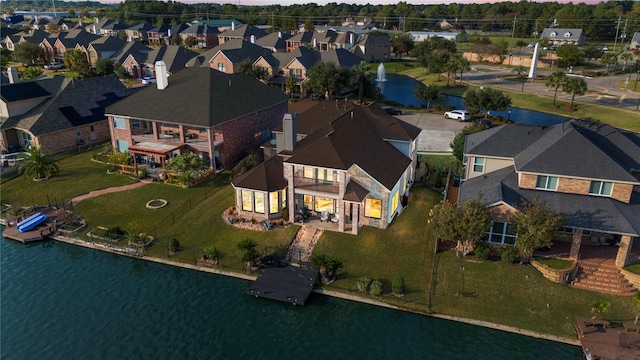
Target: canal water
{"points": [[400, 89], [60, 301]]}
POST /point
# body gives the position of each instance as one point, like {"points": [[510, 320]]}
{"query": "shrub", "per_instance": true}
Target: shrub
{"points": [[397, 285], [174, 244], [116, 230], [509, 254], [375, 288], [210, 252], [481, 250], [363, 284]]}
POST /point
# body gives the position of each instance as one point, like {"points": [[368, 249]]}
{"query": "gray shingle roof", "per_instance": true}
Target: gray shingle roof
{"points": [[235, 50], [200, 97], [175, 57], [267, 176], [244, 32], [23, 91]]}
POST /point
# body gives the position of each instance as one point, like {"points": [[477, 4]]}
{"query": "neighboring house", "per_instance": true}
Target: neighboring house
{"points": [[221, 24], [205, 36], [138, 32], [113, 28], [225, 57], [322, 41], [373, 48], [102, 48], [275, 41], [156, 35], [62, 24], [635, 41], [420, 36], [445, 25], [355, 163], [96, 26], [589, 172], [241, 32], [57, 113], [559, 36], [56, 47], [32, 36], [135, 49], [141, 64], [197, 110]]}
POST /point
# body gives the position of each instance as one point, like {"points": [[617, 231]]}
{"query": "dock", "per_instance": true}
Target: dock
{"points": [[600, 341], [39, 233], [285, 282]]}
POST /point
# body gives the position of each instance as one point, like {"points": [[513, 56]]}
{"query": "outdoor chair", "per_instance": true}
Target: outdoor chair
{"points": [[335, 218], [324, 216]]}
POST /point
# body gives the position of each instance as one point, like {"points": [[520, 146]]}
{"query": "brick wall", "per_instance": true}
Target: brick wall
{"points": [[573, 186], [120, 134], [68, 139], [622, 192], [228, 65], [527, 181], [246, 132]]}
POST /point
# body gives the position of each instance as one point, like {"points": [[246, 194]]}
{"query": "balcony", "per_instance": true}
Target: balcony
{"points": [[316, 186]]}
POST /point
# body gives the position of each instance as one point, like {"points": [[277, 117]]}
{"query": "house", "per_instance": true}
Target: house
{"points": [[635, 41], [558, 36], [225, 57], [445, 25], [419, 36], [353, 163], [205, 36], [322, 41], [138, 32], [103, 47], [33, 36], [57, 113], [197, 110], [241, 32], [55, 47], [373, 48], [156, 35], [140, 64], [221, 24], [275, 41], [589, 172]]}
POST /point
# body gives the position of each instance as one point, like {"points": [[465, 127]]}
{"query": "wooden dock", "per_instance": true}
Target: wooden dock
{"points": [[285, 282], [600, 341], [39, 233]]}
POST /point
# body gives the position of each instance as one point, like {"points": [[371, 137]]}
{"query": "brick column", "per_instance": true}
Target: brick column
{"points": [[354, 219], [623, 251], [576, 241]]}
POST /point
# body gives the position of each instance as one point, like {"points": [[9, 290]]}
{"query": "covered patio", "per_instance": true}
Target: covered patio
{"points": [[158, 151]]}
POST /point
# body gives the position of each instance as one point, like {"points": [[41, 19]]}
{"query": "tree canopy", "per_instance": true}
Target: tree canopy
{"points": [[328, 78], [27, 53], [574, 86], [457, 144], [38, 165], [486, 100], [466, 222], [537, 223]]}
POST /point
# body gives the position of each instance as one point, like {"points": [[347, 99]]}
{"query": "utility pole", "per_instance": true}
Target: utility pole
{"points": [[513, 32], [617, 31]]}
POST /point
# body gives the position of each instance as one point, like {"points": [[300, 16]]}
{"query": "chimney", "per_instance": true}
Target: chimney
{"points": [[253, 39], [280, 34], [233, 25], [12, 71], [96, 19], [169, 33], [161, 75], [289, 130], [315, 42]]}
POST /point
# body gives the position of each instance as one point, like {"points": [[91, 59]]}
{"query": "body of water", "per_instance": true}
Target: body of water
{"points": [[400, 88], [60, 301]]}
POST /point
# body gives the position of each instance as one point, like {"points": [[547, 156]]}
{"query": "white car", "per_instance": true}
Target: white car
{"points": [[54, 66], [460, 115], [148, 80]]}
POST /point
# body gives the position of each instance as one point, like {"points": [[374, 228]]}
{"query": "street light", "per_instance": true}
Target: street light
{"points": [[509, 117]]}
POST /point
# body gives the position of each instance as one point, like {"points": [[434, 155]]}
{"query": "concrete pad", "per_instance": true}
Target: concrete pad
{"points": [[437, 132]]}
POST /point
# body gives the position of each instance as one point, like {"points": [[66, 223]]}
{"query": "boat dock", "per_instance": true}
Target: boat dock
{"points": [[285, 282], [600, 341], [38, 233]]}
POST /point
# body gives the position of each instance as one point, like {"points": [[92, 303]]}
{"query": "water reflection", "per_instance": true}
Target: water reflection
{"points": [[400, 88]]}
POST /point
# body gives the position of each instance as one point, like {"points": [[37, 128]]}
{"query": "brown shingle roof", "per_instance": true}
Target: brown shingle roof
{"points": [[267, 176]]}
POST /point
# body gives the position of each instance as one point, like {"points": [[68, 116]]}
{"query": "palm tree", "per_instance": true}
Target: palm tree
{"points": [[575, 86], [362, 72], [38, 165], [249, 253], [608, 59], [600, 307], [555, 80], [625, 57], [427, 93], [463, 65], [328, 265]]}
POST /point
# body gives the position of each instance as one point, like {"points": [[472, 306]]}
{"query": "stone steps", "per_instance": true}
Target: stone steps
{"points": [[603, 279]]}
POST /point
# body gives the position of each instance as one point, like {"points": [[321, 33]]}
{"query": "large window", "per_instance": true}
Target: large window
{"points": [[247, 203], [326, 175], [394, 202], [273, 202], [547, 182], [502, 233], [478, 164], [296, 73], [601, 188], [373, 208], [119, 123], [258, 200], [323, 204], [308, 172], [284, 198], [122, 145]]}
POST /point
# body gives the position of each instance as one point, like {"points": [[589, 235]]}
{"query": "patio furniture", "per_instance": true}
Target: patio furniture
{"points": [[324, 216], [335, 218], [595, 240]]}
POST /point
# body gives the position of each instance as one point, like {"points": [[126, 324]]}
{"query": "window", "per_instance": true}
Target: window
{"points": [[478, 164], [296, 73], [308, 201], [78, 133], [91, 128], [265, 135], [122, 145], [326, 175], [284, 198], [26, 139], [258, 199], [119, 123], [247, 204], [600, 188], [135, 124], [547, 182], [394, 202], [502, 233], [308, 173], [373, 208], [273, 202], [323, 204], [221, 67]]}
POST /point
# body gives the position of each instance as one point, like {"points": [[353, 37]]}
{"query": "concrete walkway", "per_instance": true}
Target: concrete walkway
{"points": [[95, 193], [302, 247]]}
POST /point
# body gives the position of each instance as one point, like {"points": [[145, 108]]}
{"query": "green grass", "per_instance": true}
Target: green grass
{"points": [[554, 263], [78, 175], [635, 268]]}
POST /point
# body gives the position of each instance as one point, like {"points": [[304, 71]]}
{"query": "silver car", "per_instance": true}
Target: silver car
{"points": [[460, 115]]}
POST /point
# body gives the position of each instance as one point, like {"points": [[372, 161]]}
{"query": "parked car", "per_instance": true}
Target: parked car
{"points": [[460, 115], [148, 80], [54, 66], [393, 111], [531, 45], [486, 122], [605, 48]]}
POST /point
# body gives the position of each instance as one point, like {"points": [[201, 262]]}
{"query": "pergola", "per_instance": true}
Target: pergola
{"points": [[159, 150]]}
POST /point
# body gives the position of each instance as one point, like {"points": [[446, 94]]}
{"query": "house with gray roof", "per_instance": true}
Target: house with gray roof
{"points": [[345, 164], [225, 57], [373, 48], [57, 113], [138, 32], [589, 172], [196, 110], [558, 36], [241, 32], [141, 64], [205, 36]]}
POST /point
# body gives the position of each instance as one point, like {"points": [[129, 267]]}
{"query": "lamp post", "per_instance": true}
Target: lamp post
{"points": [[509, 116], [523, 81]]}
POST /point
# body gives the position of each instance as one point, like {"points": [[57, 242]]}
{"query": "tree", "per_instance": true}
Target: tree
{"points": [[191, 41], [457, 144], [120, 71], [328, 265], [52, 28], [71, 13], [76, 60], [290, 85], [465, 222], [521, 43], [608, 59], [625, 57], [122, 35], [5, 58], [427, 93], [591, 51], [327, 78], [555, 80], [600, 307], [174, 245], [486, 100], [249, 253], [31, 72], [38, 165], [308, 25], [176, 39], [104, 67], [537, 223], [397, 285], [402, 43], [27, 53], [246, 67], [362, 72], [569, 54], [574, 86], [186, 165]]}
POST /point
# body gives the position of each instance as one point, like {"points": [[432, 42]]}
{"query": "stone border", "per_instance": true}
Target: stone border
{"points": [[163, 203]]}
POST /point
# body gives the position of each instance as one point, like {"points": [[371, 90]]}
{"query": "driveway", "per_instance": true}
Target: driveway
{"points": [[437, 132]]}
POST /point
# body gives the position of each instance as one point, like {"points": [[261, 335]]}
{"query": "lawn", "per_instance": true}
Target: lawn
{"points": [[78, 175], [554, 263]]}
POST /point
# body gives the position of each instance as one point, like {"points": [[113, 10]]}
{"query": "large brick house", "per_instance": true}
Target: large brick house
{"points": [[57, 114], [355, 164], [589, 172], [197, 110]]}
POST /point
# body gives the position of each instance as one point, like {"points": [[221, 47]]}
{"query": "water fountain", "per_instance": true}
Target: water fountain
{"points": [[382, 73]]}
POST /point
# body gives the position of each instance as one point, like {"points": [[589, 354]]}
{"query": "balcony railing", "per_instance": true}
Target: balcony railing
{"points": [[320, 186]]}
